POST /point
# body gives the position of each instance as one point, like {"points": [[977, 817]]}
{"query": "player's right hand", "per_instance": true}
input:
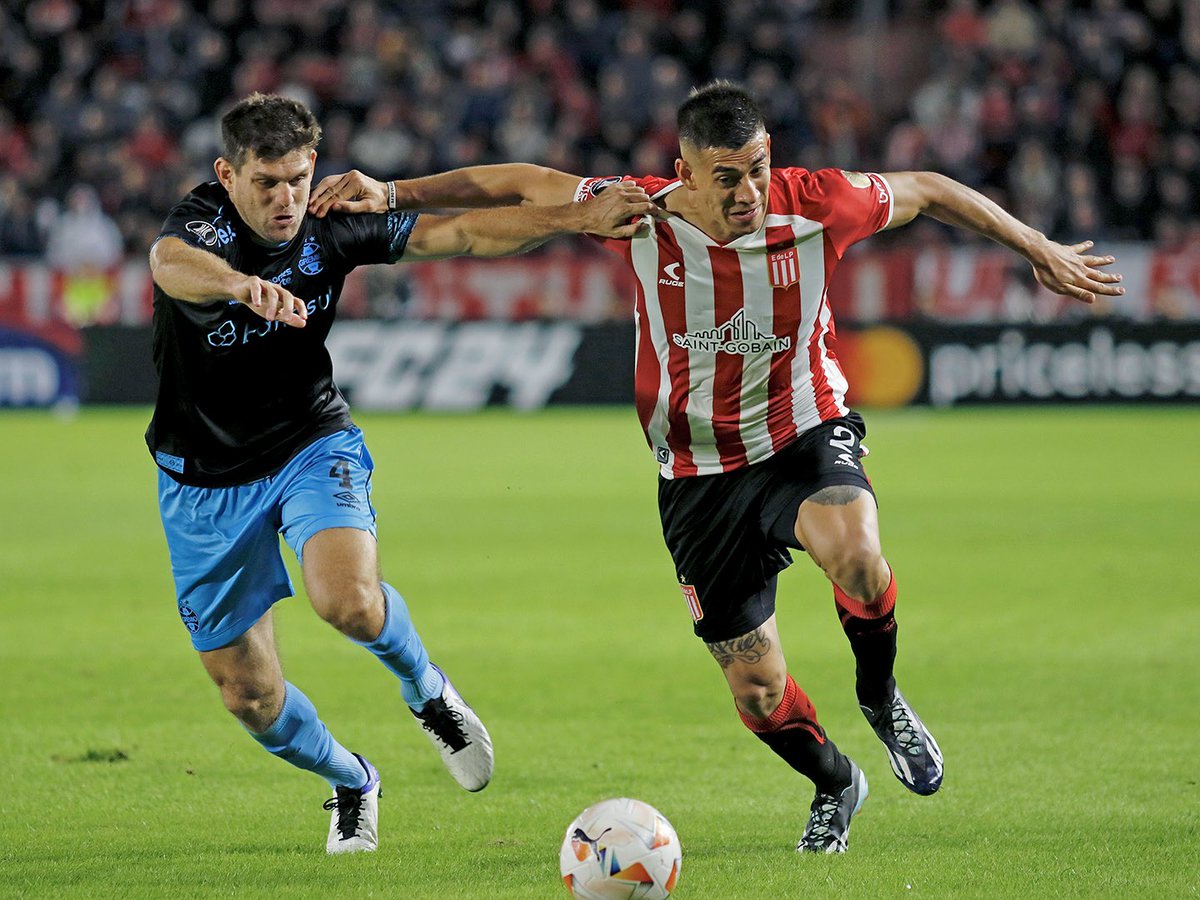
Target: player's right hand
{"points": [[622, 210], [272, 302], [352, 192]]}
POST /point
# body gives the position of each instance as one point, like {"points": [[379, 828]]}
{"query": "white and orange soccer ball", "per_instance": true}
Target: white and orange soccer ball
{"points": [[620, 849]]}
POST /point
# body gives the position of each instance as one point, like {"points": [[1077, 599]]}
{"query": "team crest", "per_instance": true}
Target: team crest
{"points": [[311, 260], [785, 267]]}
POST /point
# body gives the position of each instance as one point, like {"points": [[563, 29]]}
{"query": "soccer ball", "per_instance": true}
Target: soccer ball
{"points": [[619, 849]]}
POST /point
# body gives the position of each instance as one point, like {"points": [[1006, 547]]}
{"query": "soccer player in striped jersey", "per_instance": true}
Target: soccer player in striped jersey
{"points": [[742, 401]]}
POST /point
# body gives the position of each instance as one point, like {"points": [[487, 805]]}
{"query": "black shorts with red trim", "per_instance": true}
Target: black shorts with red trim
{"points": [[729, 534]]}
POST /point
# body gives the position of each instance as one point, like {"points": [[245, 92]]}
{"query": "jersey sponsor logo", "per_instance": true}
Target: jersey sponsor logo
{"points": [[785, 267], [285, 277], [204, 231], [224, 336], [311, 259], [672, 277], [737, 336], [591, 187], [693, 601]]}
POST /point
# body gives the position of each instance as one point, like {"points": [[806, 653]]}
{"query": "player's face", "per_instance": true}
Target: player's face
{"points": [[729, 186], [271, 195]]}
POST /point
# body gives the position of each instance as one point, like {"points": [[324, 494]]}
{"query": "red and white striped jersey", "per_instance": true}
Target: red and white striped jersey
{"points": [[735, 342]]}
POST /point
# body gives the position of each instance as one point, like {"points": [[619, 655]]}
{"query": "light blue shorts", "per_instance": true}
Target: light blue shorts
{"points": [[224, 542]]}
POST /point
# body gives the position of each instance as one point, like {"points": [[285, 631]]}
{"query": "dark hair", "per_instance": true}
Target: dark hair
{"points": [[719, 114], [269, 127]]}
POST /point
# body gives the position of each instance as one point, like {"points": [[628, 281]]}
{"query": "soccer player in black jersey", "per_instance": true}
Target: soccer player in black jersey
{"points": [[253, 439]]}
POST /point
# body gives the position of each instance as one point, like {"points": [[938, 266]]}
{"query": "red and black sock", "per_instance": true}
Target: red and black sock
{"points": [[871, 629], [793, 732]]}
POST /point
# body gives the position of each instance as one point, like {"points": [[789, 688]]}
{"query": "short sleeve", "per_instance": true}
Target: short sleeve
{"points": [[588, 188], [199, 222], [370, 238], [851, 205]]}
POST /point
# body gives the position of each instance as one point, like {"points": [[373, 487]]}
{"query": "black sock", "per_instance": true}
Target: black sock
{"points": [[822, 762], [874, 644]]}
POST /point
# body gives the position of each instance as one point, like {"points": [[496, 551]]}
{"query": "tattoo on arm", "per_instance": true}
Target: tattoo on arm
{"points": [[749, 648]]}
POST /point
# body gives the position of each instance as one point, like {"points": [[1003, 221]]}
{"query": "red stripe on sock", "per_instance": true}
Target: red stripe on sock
{"points": [[880, 606], [795, 710]]}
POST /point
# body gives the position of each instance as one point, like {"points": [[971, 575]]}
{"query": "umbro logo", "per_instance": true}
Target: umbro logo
{"points": [[673, 278], [347, 499]]}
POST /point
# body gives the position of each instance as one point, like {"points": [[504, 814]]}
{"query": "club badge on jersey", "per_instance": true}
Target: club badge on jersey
{"points": [[785, 267]]}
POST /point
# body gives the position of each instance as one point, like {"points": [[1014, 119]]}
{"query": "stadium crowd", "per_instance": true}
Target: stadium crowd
{"points": [[1082, 118]]}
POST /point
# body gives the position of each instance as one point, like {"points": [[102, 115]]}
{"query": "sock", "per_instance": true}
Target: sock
{"points": [[793, 732], [299, 737], [399, 648], [871, 630]]}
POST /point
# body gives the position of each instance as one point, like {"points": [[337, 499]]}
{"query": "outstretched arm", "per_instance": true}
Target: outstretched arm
{"points": [[617, 213], [499, 185], [1069, 270], [196, 276]]}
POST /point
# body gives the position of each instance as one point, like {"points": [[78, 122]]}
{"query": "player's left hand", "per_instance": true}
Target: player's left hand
{"points": [[352, 192], [1074, 272]]}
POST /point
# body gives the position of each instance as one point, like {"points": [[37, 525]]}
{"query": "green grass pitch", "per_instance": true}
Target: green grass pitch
{"points": [[1047, 562]]}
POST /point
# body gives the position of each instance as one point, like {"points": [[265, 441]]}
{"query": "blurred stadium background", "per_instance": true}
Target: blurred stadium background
{"points": [[1082, 118]]}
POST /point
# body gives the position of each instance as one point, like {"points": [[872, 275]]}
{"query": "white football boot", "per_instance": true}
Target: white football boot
{"points": [[354, 826], [459, 736]]}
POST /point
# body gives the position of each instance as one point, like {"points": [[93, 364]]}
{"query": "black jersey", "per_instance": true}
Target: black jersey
{"points": [[238, 396]]}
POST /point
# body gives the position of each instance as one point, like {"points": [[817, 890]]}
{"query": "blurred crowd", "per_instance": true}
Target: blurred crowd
{"points": [[1083, 118]]}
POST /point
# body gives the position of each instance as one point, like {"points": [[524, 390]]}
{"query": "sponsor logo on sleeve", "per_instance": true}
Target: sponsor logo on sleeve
{"points": [[204, 231], [857, 179], [591, 187]]}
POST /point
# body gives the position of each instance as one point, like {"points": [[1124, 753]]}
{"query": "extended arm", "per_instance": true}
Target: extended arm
{"points": [[617, 213], [195, 276], [1068, 270], [499, 185]]}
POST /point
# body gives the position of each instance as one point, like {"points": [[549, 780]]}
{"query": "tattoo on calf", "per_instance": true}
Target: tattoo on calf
{"points": [[838, 495], [749, 648]]}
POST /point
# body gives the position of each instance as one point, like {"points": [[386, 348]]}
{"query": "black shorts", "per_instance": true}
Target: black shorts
{"points": [[729, 534]]}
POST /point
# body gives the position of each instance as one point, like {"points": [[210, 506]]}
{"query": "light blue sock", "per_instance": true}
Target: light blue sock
{"points": [[399, 648], [302, 739]]}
